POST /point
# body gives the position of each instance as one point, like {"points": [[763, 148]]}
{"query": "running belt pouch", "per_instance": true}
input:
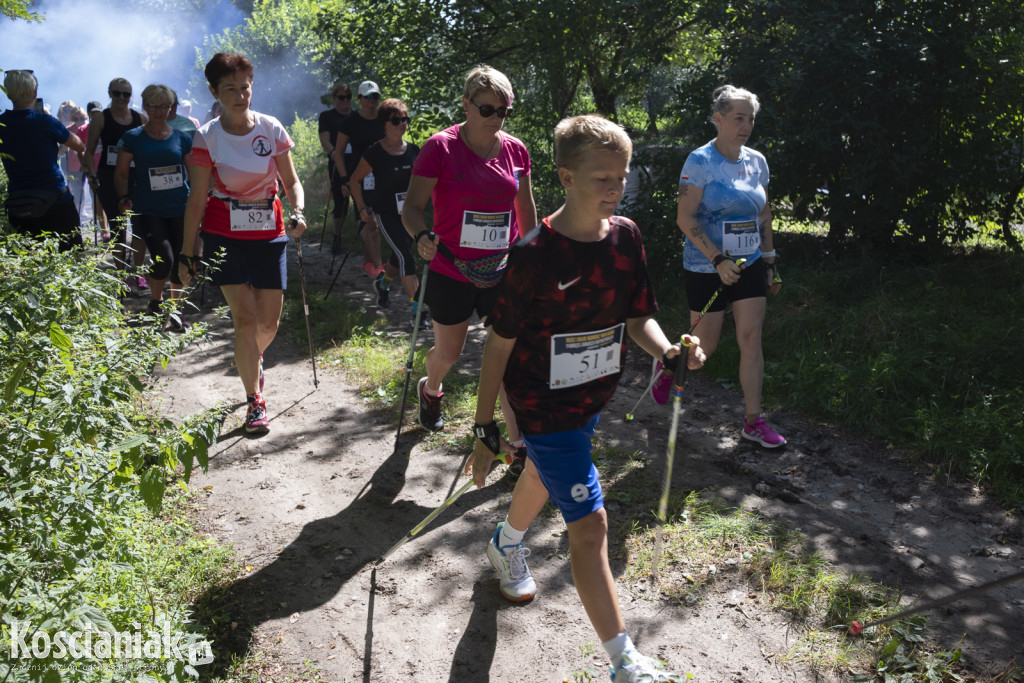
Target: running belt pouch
{"points": [[482, 272], [25, 204]]}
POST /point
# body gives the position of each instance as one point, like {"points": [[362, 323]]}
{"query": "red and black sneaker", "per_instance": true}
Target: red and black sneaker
{"points": [[256, 421], [518, 464], [430, 408]]}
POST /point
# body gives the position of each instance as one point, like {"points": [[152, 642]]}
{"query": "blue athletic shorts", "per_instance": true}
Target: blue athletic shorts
{"points": [[563, 461]]}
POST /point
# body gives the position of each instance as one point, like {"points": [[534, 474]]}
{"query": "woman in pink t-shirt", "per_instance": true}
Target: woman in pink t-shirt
{"points": [[478, 178], [236, 159]]}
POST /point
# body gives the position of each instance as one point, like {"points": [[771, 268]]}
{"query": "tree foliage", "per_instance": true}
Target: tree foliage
{"points": [[289, 58], [887, 117]]}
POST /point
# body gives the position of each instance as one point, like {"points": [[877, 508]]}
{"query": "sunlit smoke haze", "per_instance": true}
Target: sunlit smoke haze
{"points": [[82, 45]]}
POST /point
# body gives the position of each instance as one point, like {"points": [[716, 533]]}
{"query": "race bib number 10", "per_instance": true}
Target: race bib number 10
{"points": [[485, 230], [581, 357], [248, 215], [740, 238]]}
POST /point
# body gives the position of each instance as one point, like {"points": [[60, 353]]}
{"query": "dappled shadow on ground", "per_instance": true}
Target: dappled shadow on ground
{"points": [[870, 511], [309, 572]]}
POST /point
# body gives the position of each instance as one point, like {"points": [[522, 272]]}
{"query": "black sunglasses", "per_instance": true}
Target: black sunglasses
{"points": [[371, 96], [343, 97], [399, 120], [120, 93], [487, 111]]}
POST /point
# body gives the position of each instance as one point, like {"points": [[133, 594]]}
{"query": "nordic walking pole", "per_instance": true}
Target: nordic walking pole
{"points": [[630, 415], [501, 457], [412, 345], [305, 304], [347, 254], [856, 627], [327, 209], [678, 381]]}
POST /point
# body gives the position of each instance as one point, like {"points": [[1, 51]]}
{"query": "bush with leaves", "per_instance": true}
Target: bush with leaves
{"points": [[78, 449]]}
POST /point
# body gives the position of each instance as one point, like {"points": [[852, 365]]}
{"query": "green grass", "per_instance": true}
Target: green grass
{"points": [[915, 351], [916, 348]]}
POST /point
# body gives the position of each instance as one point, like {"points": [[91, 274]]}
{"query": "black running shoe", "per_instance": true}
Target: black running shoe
{"points": [[337, 248], [430, 408], [383, 293]]}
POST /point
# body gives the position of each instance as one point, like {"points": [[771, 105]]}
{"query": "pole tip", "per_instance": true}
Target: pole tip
{"points": [[630, 417], [855, 628]]}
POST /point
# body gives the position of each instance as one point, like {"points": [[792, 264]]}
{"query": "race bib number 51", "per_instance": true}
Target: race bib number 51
{"points": [[581, 357], [257, 215]]}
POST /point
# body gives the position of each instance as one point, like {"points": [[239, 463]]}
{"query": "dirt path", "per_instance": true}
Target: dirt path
{"points": [[311, 505]]}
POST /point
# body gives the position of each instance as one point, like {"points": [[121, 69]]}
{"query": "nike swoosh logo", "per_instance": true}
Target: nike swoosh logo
{"points": [[566, 285]]}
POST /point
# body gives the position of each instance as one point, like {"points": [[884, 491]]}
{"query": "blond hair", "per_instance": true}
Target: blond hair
{"points": [[487, 79], [579, 136], [21, 86], [152, 93]]}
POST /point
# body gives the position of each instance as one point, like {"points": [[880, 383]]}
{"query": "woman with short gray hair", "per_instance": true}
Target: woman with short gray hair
{"points": [[729, 254], [38, 200]]}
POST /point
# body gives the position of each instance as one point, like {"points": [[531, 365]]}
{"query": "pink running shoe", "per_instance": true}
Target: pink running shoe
{"points": [[256, 421], [761, 433], [371, 270], [662, 387]]}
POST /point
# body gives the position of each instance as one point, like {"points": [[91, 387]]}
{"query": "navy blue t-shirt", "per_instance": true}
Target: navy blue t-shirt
{"points": [[32, 139], [161, 184]]}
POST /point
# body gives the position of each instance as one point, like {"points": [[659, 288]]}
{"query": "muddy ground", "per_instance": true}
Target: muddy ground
{"points": [[311, 505]]}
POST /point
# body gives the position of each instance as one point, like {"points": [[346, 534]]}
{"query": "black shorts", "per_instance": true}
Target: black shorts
{"points": [[260, 263], [453, 301], [400, 240], [163, 239], [700, 287], [107, 194], [61, 220], [340, 209]]}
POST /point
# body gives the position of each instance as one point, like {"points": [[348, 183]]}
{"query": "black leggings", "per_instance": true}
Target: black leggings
{"points": [[163, 238]]}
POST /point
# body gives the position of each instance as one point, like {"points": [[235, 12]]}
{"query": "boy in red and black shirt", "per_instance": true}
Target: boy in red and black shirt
{"points": [[575, 286]]}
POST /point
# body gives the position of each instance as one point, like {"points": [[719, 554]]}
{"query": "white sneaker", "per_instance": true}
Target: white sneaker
{"points": [[516, 582], [636, 668]]}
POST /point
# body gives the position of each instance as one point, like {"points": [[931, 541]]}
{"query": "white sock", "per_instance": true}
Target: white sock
{"points": [[518, 443], [510, 535], [432, 392], [616, 646]]}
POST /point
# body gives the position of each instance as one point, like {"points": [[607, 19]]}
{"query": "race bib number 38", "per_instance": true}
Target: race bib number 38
{"points": [[485, 230], [581, 357], [166, 178], [740, 238], [257, 215]]}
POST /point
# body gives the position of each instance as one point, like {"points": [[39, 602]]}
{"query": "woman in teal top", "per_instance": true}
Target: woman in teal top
{"points": [[160, 154], [723, 211]]}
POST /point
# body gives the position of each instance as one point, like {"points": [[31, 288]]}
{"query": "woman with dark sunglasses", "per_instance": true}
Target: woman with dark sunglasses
{"points": [[329, 127], [358, 131], [478, 178], [105, 129], [390, 161]]}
